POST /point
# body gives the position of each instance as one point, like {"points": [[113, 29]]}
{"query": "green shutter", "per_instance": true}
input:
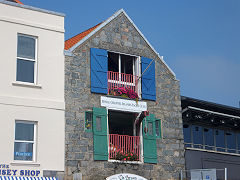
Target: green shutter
{"points": [[149, 139], [100, 140]]}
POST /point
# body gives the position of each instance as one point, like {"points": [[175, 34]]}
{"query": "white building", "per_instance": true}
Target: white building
{"points": [[32, 90]]}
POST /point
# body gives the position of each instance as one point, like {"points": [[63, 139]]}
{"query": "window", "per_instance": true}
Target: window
{"points": [[88, 121], [121, 63], [26, 58], [24, 144]]}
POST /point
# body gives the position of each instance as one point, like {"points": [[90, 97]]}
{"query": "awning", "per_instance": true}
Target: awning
{"points": [[26, 178]]}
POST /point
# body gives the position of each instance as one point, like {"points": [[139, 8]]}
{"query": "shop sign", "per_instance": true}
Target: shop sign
{"points": [[123, 104], [5, 170], [125, 176]]}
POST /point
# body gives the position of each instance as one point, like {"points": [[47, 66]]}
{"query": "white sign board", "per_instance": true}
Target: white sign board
{"points": [[123, 104], [125, 176]]}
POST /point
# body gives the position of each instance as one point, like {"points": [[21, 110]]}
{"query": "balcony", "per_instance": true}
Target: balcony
{"points": [[127, 81], [124, 147]]}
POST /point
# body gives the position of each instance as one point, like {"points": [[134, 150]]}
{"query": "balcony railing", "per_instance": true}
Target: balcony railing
{"points": [[124, 147], [116, 80]]}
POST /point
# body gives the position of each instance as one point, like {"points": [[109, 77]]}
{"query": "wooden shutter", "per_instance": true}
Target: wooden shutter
{"points": [[148, 79], [149, 140], [100, 140], [99, 68]]}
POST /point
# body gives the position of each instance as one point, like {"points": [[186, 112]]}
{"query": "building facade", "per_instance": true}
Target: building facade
{"points": [[32, 91], [211, 137], [123, 107]]}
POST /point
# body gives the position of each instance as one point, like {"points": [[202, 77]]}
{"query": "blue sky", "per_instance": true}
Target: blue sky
{"points": [[200, 40]]}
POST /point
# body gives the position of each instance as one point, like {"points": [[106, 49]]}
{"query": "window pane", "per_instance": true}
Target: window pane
{"points": [[220, 140], [98, 124], [26, 47], [208, 138], [25, 71], [23, 151], [231, 142], [113, 60], [126, 64], [197, 136], [150, 128], [24, 132], [88, 120], [187, 135], [157, 125]]}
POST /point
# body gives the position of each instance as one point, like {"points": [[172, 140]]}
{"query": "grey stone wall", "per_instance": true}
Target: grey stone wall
{"points": [[120, 36]]}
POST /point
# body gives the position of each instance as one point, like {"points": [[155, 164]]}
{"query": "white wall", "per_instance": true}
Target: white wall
{"points": [[43, 102]]}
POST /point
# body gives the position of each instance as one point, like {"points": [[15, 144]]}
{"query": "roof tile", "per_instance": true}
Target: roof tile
{"points": [[75, 39]]}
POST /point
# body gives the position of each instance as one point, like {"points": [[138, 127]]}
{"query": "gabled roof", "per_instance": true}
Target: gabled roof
{"points": [[75, 39], [90, 32]]}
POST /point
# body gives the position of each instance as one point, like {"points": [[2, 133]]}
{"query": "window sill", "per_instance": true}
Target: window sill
{"points": [[24, 163], [125, 162], [25, 84]]}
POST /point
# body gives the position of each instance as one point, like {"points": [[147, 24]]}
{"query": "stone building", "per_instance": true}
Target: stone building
{"points": [[123, 106]]}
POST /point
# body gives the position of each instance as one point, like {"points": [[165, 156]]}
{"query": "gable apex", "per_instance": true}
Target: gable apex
{"points": [[103, 24]]}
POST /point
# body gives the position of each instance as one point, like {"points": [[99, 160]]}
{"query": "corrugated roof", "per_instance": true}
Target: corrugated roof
{"points": [[75, 39]]}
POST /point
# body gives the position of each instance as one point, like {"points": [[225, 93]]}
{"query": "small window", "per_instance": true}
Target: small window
{"points": [[26, 58], [88, 121], [24, 144]]}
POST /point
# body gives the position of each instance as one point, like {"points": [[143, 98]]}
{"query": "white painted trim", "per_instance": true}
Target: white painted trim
{"points": [[24, 141], [31, 24], [26, 84], [28, 102], [212, 112], [108, 21]]}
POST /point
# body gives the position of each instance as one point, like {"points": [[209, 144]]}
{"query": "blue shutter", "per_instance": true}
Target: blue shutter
{"points": [[99, 67], [148, 79]]}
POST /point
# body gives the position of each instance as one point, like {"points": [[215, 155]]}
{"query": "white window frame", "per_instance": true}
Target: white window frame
{"points": [[28, 59], [22, 141]]}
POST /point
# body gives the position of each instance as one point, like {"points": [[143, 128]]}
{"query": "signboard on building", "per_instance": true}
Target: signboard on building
{"points": [[6, 170], [123, 104], [125, 176]]}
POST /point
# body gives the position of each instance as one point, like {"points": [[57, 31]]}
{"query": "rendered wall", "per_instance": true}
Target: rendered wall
{"points": [[43, 102], [120, 36]]}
